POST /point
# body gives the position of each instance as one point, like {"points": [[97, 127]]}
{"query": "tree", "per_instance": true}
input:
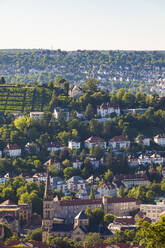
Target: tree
{"points": [[108, 176], [92, 239], [92, 194], [2, 80], [90, 85], [128, 99], [68, 172], [151, 235], [89, 111], [109, 218], [35, 235]]}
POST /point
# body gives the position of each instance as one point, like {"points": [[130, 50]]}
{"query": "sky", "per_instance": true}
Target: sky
{"points": [[83, 24]]}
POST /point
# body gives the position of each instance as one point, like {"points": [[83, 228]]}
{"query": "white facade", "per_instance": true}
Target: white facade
{"points": [[95, 141], [74, 145], [160, 139], [153, 211], [36, 115], [107, 189], [58, 111], [77, 164], [106, 109], [119, 142], [54, 147], [13, 150], [146, 141]]}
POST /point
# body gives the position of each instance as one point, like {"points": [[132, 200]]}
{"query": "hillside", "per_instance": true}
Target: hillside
{"points": [[24, 99], [133, 70]]}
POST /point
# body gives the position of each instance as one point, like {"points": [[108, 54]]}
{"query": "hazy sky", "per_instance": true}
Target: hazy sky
{"points": [[83, 24]]}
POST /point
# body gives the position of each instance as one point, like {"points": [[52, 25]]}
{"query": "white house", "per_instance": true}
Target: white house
{"points": [[13, 150], [160, 139], [106, 109], [77, 163], [95, 141], [144, 140], [54, 146], [55, 162], [76, 183], [40, 177], [107, 189], [75, 91], [133, 180], [119, 142], [58, 111], [36, 115], [72, 144], [144, 159], [157, 159]]}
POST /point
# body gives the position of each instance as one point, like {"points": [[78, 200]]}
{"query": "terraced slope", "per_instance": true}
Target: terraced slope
{"points": [[24, 99]]}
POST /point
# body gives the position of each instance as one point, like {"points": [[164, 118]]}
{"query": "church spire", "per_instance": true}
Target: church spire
{"points": [[48, 191]]}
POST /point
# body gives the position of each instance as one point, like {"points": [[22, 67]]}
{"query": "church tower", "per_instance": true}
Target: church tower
{"points": [[48, 210]]}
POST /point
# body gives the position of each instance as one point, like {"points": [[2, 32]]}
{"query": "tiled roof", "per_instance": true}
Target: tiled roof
{"points": [[138, 177], [97, 201], [94, 139], [81, 202], [118, 138], [160, 136], [12, 147], [7, 202], [108, 105]]}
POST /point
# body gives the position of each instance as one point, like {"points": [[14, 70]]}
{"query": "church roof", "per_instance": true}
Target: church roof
{"points": [[81, 216], [62, 227]]}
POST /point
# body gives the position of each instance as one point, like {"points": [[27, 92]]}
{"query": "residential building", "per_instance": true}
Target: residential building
{"points": [[36, 115], [72, 144], [75, 91], [77, 164], [13, 150], [54, 146], [32, 148], [106, 109], [40, 177], [95, 141], [55, 162], [119, 142], [160, 139], [143, 140], [132, 180], [153, 211], [63, 111], [76, 183], [107, 189]]}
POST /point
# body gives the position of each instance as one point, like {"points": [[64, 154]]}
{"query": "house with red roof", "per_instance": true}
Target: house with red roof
{"points": [[95, 141], [106, 109], [119, 142], [13, 150]]}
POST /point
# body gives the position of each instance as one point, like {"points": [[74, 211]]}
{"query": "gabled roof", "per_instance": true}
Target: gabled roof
{"points": [[94, 139], [7, 202], [118, 139], [62, 227], [12, 147], [81, 216], [108, 105]]}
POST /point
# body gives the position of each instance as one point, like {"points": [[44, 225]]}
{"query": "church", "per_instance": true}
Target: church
{"points": [[68, 218]]}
